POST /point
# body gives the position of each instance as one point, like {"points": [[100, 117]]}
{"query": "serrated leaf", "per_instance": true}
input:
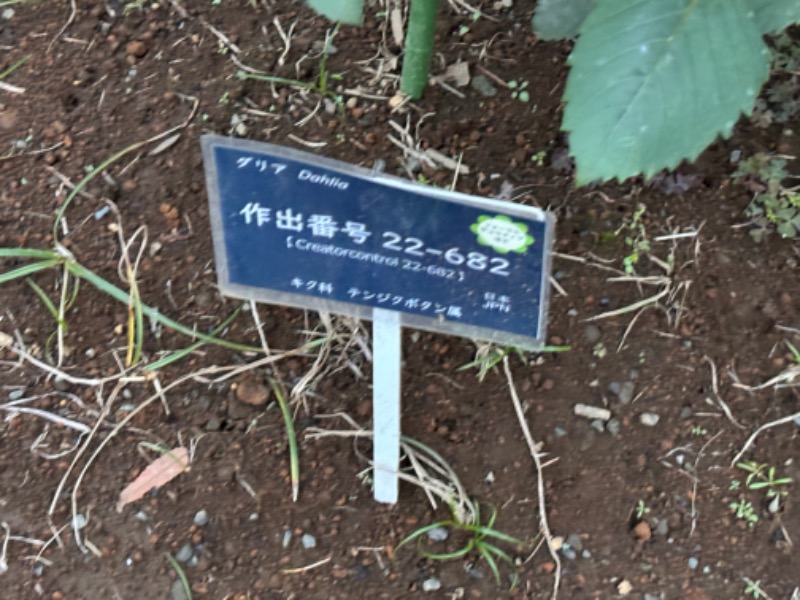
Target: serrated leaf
{"points": [[345, 11], [774, 15], [654, 82], [559, 19]]}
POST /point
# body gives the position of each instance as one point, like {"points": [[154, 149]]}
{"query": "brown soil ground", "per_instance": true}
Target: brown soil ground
{"points": [[639, 509]]}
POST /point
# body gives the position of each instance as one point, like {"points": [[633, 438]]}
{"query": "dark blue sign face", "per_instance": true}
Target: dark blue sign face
{"points": [[296, 229]]}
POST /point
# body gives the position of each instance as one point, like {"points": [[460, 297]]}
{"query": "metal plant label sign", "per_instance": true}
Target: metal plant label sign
{"points": [[296, 229]]}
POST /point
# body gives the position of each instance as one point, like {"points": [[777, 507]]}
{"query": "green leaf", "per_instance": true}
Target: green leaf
{"points": [[774, 15], [559, 19], [345, 11], [654, 82]]}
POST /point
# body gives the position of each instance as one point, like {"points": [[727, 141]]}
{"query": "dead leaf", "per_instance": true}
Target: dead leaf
{"points": [[159, 472], [458, 73]]}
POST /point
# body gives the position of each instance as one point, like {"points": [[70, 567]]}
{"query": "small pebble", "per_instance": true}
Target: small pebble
{"points": [[692, 562], [79, 521], [642, 531], [559, 431], [626, 390], [649, 419], [598, 426], [569, 553], [663, 527], [591, 334], [177, 592], [592, 412], [651, 597], [574, 540], [136, 48], [431, 584], [16, 394], [438, 534], [287, 538], [613, 427], [201, 518], [214, 424], [586, 554], [686, 412], [614, 388], [185, 553], [308, 541], [482, 85]]}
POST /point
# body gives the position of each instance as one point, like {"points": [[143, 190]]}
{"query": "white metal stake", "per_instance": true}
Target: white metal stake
{"points": [[386, 366]]}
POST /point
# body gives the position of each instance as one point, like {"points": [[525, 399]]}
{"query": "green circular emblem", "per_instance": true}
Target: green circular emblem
{"points": [[502, 234]]}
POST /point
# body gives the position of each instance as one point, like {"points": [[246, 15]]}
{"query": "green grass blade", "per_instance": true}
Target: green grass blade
{"points": [[118, 294], [28, 270], [499, 552], [84, 182], [492, 519], [51, 308], [448, 555], [187, 590], [794, 351], [28, 253], [499, 535], [487, 554], [422, 530], [14, 67], [294, 459], [175, 356]]}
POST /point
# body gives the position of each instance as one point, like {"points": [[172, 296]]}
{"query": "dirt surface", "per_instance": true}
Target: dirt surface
{"points": [[639, 505]]}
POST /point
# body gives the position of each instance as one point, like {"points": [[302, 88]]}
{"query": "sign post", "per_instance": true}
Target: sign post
{"points": [[296, 229]]}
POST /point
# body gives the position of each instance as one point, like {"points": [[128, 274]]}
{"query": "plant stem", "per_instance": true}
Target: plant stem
{"points": [[418, 47]]}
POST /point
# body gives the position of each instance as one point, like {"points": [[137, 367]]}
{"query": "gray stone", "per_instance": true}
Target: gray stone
{"points": [[483, 86], [614, 388], [213, 424], [626, 392], [569, 553], [559, 431], [185, 553], [649, 419], [613, 427], [574, 541], [598, 426], [287, 538], [308, 541], [431, 584], [692, 563], [591, 334], [16, 394], [438, 534], [686, 412], [201, 518], [177, 591], [663, 527]]}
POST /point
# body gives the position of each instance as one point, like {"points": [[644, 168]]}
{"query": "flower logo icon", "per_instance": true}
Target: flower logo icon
{"points": [[502, 234]]}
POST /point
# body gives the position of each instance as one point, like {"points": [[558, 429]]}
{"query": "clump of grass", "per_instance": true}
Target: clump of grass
{"points": [[774, 206], [481, 539]]}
